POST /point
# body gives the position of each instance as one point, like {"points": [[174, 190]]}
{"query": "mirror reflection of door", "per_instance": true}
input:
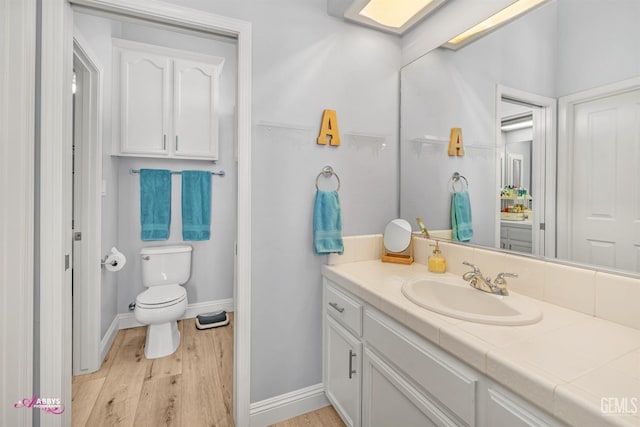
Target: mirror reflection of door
{"points": [[517, 194], [600, 222]]}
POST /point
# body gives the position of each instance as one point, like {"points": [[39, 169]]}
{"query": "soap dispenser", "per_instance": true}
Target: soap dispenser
{"points": [[437, 263]]}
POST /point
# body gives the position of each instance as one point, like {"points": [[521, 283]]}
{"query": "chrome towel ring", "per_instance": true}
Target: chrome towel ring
{"points": [[327, 172], [455, 179]]}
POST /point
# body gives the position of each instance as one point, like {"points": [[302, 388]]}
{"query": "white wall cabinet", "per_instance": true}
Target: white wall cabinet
{"points": [[165, 102], [403, 379]]}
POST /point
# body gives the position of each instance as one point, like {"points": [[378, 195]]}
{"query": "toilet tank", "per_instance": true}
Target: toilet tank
{"points": [[166, 265]]}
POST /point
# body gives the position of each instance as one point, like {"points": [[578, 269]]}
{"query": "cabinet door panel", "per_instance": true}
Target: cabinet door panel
{"points": [[144, 102], [438, 374], [342, 387], [196, 123], [503, 410], [388, 400]]}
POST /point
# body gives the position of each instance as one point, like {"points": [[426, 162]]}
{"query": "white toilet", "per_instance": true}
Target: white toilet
{"points": [[164, 270]]}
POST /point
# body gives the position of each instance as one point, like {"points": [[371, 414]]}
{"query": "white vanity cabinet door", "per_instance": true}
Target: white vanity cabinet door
{"points": [[194, 109], [505, 409], [343, 357], [430, 368], [144, 106], [389, 400]]}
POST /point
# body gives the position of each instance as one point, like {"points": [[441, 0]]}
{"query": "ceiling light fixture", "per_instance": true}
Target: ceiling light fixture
{"points": [[504, 16], [395, 16]]}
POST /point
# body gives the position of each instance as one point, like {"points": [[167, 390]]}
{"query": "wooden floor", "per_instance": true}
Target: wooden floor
{"points": [[325, 417], [192, 387]]}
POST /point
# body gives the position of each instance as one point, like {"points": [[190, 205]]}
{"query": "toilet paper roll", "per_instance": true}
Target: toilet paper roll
{"points": [[115, 261]]}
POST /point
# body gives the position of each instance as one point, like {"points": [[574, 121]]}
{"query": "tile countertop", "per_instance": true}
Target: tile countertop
{"points": [[574, 366]]}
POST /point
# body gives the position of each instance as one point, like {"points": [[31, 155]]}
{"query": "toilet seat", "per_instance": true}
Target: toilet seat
{"points": [[161, 296]]}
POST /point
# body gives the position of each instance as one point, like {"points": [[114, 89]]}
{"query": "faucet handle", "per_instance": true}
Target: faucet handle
{"points": [[500, 278], [475, 267]]}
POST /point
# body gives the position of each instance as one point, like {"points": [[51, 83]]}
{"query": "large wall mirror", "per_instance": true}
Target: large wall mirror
{"points": [[549, 107]]}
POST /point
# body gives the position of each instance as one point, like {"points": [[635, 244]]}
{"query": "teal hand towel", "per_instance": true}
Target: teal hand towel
{"points": [[196, 205], [327, 223], [155, 203], [461, 223]]}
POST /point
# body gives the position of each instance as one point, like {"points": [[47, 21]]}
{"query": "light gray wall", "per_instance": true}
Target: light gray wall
{"points": [[304, 62], [598, 43], [98, 32], [446, 89]]}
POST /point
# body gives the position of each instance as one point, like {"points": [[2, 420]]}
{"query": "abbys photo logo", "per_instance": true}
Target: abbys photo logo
{"points": [[619, 405], [49, 405]]}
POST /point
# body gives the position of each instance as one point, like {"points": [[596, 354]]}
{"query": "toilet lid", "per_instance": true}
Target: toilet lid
{"points": [[161, 295]]}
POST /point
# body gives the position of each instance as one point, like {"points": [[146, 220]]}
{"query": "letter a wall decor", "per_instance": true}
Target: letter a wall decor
{"points": [[329, 129], [456, 148]]}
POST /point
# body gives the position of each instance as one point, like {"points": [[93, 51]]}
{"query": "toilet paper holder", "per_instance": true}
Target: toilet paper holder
{"points": [[113, 261], [104, 262]]}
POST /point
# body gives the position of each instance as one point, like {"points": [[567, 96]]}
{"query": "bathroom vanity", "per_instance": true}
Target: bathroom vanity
{"points": [[388, 361], [380, 373]]}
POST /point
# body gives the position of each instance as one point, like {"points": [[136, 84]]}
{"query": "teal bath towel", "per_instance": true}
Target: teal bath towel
{"points": [[196, 205], [155, 203], [461, 223], [327, 224]]}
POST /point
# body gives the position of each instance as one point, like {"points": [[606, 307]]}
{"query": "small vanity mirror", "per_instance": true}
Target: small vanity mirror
{"points": [[398, 242]]}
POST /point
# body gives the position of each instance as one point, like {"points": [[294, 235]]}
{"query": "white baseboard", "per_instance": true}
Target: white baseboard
{"points": [[289, 405], [128, 320], [108, 338]]}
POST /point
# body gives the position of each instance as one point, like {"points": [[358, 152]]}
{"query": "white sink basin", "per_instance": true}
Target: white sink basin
{"points": [[456, 298]]}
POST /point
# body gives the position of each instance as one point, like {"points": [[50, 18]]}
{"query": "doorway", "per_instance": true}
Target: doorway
{"points": [[525, 141], [86, 209], [55, 311]]}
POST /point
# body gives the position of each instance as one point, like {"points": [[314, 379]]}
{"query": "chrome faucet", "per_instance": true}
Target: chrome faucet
{"points": [[478, 281]]}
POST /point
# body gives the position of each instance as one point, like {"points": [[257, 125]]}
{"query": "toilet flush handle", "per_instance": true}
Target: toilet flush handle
{"points": [[146, 257]]}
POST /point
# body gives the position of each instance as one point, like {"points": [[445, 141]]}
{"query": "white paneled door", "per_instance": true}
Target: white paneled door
{"points": [[604, 217]]}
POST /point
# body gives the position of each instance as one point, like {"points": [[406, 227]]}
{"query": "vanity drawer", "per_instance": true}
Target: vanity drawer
{"points": [[522, 234], [343, 308], [452, 384]]}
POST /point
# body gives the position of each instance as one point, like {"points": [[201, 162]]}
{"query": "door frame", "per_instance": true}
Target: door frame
{"points": [[87, 356], [566, 107], [545, 160], [17, 192], [55, 311]]}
